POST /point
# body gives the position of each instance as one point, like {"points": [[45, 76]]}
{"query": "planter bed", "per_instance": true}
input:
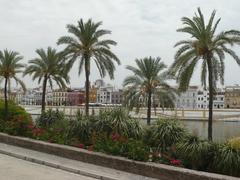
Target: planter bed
{"points": [[154, 170]]}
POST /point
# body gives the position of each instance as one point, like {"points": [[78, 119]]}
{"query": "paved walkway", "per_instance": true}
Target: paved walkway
{"points": [[22, 162], [16, 169]]}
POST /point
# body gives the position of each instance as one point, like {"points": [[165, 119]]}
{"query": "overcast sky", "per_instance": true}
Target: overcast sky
{"points": [[141, 28]]}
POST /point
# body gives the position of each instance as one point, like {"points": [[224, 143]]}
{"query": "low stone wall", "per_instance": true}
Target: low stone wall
{"points": [[154, 170]]}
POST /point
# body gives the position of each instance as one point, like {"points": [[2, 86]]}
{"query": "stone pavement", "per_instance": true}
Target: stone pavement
{"points": [[16, 169], [56, 165]]}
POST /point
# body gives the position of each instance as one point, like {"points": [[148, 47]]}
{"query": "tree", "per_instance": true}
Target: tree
{"points": [[208, 48], [86, 45], [48, 67], [10, 66], [148, 83]]}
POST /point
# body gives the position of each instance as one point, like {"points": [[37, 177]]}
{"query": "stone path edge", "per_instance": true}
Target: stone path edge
{"points": [[56, 166], [153, 170]]}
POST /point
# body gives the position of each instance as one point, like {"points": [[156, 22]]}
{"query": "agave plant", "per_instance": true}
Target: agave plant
{"points": [[118, 121], [48, 118], [227, 158], [197, 152], [167, 132], [81, 128]]}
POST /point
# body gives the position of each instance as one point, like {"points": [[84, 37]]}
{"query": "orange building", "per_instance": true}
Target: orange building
{"points": [[93, 94]]}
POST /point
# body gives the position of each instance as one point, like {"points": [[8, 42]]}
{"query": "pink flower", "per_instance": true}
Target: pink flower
{"points": [[81, 145], [175, 162]]}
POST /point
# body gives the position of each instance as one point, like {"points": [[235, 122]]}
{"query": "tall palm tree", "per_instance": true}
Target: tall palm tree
{"points": [[86, 45], [10, 66], [48, 67], [148, 83], [208, 48]]}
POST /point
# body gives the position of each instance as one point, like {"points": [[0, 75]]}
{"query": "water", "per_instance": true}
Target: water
{"points": [[222, 130]]}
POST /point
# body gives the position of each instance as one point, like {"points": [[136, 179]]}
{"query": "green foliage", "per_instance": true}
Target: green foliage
{"points": [[118, 121], [226, 160], [18, 126], [119, 145], [82, 128], [49, 118], [137, 150], [14, 111], [167, 132], [49, 66], [197, 152], [10, 66], [86, 44], [17, 122], [148, 79], [115, 145], [52, 126], [235, 143], [206, 47]]}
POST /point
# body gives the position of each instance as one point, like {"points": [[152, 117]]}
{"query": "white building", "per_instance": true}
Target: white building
{"points": [[203, 99], [188, 99], [34, 96], [104, 94], [107, 94]]}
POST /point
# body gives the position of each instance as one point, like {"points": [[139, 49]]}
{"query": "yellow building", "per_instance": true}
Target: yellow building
{"points": [[232, 97], [93, 94]]}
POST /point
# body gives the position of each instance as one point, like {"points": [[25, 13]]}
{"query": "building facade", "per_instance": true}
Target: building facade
{"points": [[188, 99], [203, 99], [59, 97], [232, 97], [75, 98], [117, 97]]}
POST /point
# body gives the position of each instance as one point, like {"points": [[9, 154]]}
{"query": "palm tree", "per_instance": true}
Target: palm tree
{"points": [[207, 47], [9, 68], [48, 67], [87, 45], [148, 83]]}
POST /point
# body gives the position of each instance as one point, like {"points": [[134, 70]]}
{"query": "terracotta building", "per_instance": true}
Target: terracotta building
{"points": [[75, 98]]}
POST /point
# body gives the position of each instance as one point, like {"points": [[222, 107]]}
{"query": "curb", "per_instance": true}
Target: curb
{"points": [[56, 166]]}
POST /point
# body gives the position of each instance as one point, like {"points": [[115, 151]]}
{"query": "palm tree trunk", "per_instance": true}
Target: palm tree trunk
{"points": [[44, 93], [149, 108], [6, 98], [87, 84], [210, 105]]}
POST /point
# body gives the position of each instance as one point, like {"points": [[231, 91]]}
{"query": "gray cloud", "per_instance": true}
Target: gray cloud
{"points": [[141, 28]]}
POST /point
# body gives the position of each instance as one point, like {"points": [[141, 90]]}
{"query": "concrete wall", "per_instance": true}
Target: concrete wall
{"points": [[160, 171]]}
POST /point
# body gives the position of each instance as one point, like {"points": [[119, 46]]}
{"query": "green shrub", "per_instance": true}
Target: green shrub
{"points": [[226, 160], [18, 126], [137, 150], [198, 153], [115, 144], [165, 133], [14, 111], [82, 128], [119, 122], [119, 145], [18, 121], [48, 118]]}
